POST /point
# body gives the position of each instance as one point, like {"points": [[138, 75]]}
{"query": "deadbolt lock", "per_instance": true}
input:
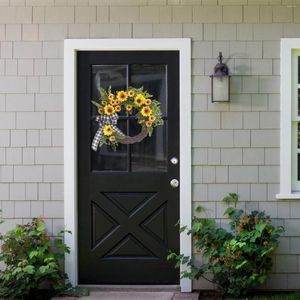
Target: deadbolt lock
{"points": [[174, 183]]}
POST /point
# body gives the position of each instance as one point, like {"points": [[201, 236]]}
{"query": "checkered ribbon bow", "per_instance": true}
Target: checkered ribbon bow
{"points": [[105, 120]]}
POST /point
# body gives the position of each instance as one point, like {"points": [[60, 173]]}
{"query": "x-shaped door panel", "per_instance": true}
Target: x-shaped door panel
{"points": [[135, 224]]}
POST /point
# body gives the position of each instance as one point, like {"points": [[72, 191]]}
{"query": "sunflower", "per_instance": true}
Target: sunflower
{"points": [[148, 101], [130, 93], [111, 96], [108, 110], [113, 102], [152, 118], [148, 124], [118, 108], [100, 111], [117, 102], [107, 130], [146, 111], [122, 96], [112, 138], [139, 100], [103, 102], [129, 107]]}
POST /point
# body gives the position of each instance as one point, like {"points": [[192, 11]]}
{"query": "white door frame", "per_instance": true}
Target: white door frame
{"points": [[71, 46]]}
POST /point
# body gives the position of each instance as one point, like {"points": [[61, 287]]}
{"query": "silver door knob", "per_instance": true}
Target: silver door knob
{"points": [[174, 183], [174, 160]]}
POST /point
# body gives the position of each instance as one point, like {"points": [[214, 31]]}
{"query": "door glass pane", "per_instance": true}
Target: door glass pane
{"points": [[105, 76], [154, 79], [151, 153], [105, 158]]}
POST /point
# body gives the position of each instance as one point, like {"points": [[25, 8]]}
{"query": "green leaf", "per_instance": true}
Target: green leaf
{"points": [[41, 227], [196, 227], [270, 250], [231, 198], [229, 211], [16, 271], [150, 131], [103, 94], [261, 226], [171, 256], [182, 229], [33, 254], [200, 209], [241, 264], [29, 269], [98, 105]]}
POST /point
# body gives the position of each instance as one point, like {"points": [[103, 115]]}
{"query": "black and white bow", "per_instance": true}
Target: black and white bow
{"points": [[105, 120]]}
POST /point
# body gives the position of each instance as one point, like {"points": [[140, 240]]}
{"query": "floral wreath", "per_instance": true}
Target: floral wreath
{"points": [[135, 101]]}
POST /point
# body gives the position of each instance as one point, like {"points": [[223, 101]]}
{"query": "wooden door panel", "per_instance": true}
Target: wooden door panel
{"points": [[136, 222], [103, 225]]}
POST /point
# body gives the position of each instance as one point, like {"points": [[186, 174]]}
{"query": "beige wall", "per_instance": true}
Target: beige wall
{"points": [[235, 146]]}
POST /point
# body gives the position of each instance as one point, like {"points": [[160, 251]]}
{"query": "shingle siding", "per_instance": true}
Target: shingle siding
{"points": [[235, 146]]}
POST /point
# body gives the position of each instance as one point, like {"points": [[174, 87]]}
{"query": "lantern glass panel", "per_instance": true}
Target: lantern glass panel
{"points": [[220, 88]]}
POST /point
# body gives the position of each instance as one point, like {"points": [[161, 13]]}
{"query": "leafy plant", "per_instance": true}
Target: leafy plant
{"points": [[240, 258], [32, 262], [76, 292]]}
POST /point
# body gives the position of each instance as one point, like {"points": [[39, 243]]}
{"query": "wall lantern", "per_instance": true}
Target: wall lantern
{"points": [[220, 82]]}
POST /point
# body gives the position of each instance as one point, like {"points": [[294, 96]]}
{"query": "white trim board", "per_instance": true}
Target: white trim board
{"points": [[71, 46], [287, 174]]}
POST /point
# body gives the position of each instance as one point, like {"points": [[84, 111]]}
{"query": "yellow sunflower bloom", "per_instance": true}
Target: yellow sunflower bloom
{"points": [[122, 96], [129, 107], [108, 110], [139, 100], [152, 118], [103, 102], [111, 96], [113, 102], [100, 111], [148, 101], [146, 111], [148, 124], [130, 93], [117, 102], [112, 138], [118, 108], [107, 130]]}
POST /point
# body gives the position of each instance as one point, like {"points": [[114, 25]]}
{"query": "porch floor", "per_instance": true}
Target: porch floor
{"points": [[134, 294]]}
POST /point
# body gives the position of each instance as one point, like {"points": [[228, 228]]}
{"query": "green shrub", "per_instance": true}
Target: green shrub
{"points": [[31, 260], [240, 258]]}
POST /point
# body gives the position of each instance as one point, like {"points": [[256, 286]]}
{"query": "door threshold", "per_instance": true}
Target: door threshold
{"points": [[121, 287]]}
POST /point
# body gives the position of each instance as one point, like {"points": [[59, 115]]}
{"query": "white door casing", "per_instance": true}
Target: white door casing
{"points": [[71, 46]]}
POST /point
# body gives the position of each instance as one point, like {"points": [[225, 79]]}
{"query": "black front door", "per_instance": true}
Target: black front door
{"points": [[127, 209]]}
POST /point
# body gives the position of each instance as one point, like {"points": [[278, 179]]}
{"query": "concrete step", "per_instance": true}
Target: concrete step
{"points": [[104, 294]]}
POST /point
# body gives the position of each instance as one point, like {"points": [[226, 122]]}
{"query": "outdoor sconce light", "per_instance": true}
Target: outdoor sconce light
{"points": [[220, 82]]}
